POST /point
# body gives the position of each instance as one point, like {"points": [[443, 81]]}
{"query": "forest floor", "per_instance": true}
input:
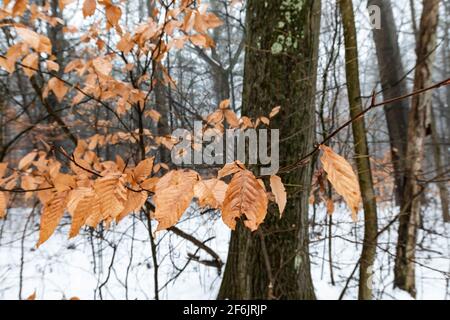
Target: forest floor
{"points": [[120, 266]]}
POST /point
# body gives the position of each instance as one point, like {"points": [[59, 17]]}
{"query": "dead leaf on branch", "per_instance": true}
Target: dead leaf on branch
{"points": [[210, 193], [38, 42], [153, 114], [58, 87], [274, 112], [230, 168], [89, 7], [135, 201], [143, 170], [52, 213], [3, 204], [173, 195], [342, 177], [223, 113], [330, 206], [30, 63], [112, 195], [244, 196], [149, 184], [102, 66], [113, 14], [279, 192], [64, 182], [3, 167], [52, 66], [83, 203]]}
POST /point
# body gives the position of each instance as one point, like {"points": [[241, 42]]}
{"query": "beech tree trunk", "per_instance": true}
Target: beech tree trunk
{"points": [[392, 77], [418, 124], [280, 69], [361, 151]]}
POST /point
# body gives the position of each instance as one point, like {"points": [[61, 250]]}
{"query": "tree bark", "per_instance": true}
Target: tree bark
{"points": [[160, 95], [446, 67], [440, 168], [361, 152], [280, 69], [393, 84], [418, 124]]}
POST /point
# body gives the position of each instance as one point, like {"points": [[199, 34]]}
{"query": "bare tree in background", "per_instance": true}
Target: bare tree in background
{"points": [[361, 151], [418, 124], [393, 83]]}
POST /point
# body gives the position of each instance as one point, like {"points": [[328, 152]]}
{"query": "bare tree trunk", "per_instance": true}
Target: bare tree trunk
{"points": [[280, 69], [56, 36], [440, 169], [418, 124], [161, 101], [220, 74], [392, 77], [2, 127], [361, 151], [446, 66]]}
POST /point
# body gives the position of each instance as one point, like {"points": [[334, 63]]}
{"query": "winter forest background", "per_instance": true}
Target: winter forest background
{"points": [[128, 260]]}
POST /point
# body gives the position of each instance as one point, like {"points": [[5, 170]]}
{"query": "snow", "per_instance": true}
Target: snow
{"points": [[62, 268]]}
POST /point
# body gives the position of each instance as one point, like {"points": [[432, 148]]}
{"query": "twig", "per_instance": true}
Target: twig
{"points": [[198, 243], [305, 159], [267, 263], [153, 248]]}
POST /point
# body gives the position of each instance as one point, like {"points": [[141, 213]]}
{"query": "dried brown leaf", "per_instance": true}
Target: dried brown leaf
{"points": [[210, 192], [279, 192], [274, 112], [112, 195], [230, 168], [30, 63], [32, 296], [113, 14], [135, 201], [83, 203], [52, 213], [58, 87], [3, 204], [143, 169], [27, 160], [330, 206], [173, 195], [149, 184], [3, 167], [244, 196], [231, 118], [89, 7], [224, 104], [342, 177]]}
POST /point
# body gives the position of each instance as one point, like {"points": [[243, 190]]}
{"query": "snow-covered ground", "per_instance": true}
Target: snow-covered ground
{"points": [[122, 266]]}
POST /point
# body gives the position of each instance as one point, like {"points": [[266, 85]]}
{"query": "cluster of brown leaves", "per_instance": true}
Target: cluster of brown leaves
{"points": [[97, 191], [94, 191], [183, 23], [224, 113]]}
